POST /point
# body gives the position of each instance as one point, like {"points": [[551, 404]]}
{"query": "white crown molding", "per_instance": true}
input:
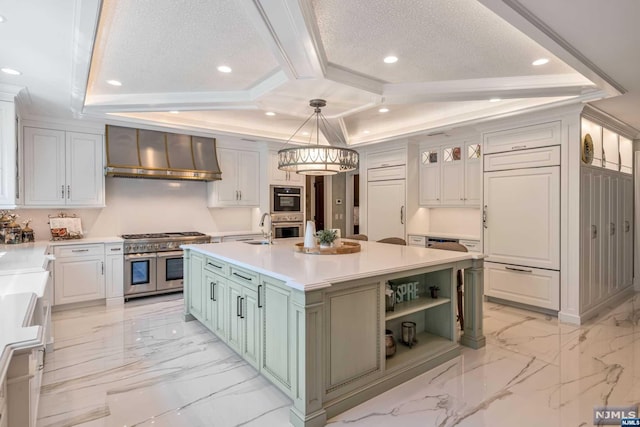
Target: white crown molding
{"points": [[526, 22], [606, 120], [351, 78], [270, 83], [85, 23]]}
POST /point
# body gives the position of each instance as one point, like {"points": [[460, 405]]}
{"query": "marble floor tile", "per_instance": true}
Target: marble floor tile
{"points": [[142, 365]]}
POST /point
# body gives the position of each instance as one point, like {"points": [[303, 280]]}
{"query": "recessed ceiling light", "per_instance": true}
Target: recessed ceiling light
{"points": [[495, 100], [270, 113], [2, 18], [224, 69], [305, 133], [114, 82], [174, 112], [11, 71], [383, 110], [391, 59], [540, 61], [366, 131]]}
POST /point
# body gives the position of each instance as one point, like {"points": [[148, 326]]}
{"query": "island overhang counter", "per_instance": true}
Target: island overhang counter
{"points": [[315, 325]]}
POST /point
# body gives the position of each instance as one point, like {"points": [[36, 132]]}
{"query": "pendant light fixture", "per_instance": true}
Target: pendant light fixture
{"points": [[315, 159]]}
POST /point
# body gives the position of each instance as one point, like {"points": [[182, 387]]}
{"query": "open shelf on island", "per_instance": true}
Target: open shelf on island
{"points": [[428, 346], [409, 307]]}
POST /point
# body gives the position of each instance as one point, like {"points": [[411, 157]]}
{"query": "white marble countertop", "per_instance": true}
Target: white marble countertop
{"points": [[308, 272], [16, 311], [436, 234], [231, 233], [85, 240], [34, 282], [23, 258]]}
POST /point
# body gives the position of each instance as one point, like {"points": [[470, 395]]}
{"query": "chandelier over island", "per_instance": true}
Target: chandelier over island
{"points": [[315, 159]]}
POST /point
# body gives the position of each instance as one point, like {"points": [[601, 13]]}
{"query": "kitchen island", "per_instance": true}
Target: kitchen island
{"points": [[315, 325]]}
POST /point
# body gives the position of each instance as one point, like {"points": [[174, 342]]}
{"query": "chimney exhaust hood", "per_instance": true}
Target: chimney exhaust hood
{"points": [[139, 153]]}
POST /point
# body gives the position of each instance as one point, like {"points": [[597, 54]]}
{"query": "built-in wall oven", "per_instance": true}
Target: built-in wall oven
{"points": [[153, 263], [291, 226], [286, 199]]}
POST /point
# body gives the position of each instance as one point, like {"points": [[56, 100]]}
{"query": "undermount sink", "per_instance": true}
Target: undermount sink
{"points": [[257, 242]]}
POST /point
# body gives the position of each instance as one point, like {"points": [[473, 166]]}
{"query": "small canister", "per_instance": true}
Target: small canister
{"points": [[5, 220], [13, 232], [27, 233]]}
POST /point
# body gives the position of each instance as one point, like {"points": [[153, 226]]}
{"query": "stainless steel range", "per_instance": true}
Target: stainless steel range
{"points": [[153, 262]]}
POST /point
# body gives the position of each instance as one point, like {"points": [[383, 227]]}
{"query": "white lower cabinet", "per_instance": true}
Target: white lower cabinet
{"points": [[114, 272], [79, 273], [532, 286]]}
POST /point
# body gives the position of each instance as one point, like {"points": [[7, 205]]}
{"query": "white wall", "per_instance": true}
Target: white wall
{"points": [[147, 205]]}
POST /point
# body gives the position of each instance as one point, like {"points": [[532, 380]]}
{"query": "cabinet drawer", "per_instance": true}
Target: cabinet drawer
{"points": [[113, 248], [383, 174], [243, 276], [216, 266], [384, 159], [539, 157], [526, 285], [417, 241], [540, 135], [471, 245], [78, 250]]}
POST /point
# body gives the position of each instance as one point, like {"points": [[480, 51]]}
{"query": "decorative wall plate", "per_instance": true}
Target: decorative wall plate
{"points": [[587, 149]]}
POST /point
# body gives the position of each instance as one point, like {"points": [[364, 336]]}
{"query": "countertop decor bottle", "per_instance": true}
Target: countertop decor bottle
{"points": [[310, 236]]}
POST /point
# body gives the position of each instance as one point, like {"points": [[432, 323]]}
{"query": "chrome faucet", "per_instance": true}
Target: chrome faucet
{"points": [[267, 235]]}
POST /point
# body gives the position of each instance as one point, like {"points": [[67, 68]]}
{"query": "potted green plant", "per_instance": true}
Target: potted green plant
{"points": [[434, 291], [326, 238]]}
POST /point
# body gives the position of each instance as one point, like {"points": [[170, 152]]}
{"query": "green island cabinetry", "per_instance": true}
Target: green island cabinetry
{"points": [[324, 345]]}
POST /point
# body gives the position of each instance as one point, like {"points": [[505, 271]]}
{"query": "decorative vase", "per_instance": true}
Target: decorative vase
{"points": [[389, 343], [310, 236], [434, 292]]}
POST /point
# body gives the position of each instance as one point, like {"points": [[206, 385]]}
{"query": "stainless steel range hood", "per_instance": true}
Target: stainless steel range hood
{"points": [[139, 153]]}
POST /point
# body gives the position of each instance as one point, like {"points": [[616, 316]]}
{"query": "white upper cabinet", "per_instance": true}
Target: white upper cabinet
{"points": [[451, 175], [8, 151], [521, 138], [63, 168], [240, 179], [277, 176]]}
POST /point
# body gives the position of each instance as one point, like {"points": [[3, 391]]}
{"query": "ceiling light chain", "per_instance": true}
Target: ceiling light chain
{"points": [[316, 159]]}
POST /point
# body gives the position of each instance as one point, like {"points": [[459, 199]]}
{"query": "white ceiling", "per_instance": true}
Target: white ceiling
{"points": [[453, 55]]}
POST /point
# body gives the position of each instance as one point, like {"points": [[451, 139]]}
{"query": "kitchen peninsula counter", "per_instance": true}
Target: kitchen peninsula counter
{"points": [[315, 325]]}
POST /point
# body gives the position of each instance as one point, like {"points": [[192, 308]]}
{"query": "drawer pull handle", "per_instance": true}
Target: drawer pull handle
{"points": [[242, 307], [242, 277], [517, 147], [238, 302], [259, 299], [521, 270], [79, 250], [116, 249], [214, 265]]}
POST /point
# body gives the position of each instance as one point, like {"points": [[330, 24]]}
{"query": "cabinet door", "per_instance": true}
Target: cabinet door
{"points": [[8, 164], [430, 177], [225, 191], [472, 174], [195, 286], [251, 327], [612, 232], [386, 209], [219, 313], [452, 167], [276, 342], [114, 276], [79, 279], [523, 217], [233, 314], [605, 221], [628, 232], [44, 162], [84, 169], [276, 175], [210, 307], [249, 178]]}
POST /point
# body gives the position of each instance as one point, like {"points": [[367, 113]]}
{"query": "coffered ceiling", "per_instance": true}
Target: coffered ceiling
{"points": [[454, 57]]}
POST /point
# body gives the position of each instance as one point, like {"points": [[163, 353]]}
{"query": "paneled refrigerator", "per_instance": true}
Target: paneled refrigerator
{"points": [[521, 226]]}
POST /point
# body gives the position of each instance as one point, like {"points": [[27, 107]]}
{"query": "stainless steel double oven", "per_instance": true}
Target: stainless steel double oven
{"points": [[287, 218], [153, 263]]}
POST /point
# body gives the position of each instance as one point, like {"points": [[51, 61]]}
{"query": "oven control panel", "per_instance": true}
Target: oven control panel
{"points": [[287, 217]]}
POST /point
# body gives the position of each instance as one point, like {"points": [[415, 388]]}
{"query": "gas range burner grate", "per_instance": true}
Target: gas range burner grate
{"points": [[162, 235]]}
